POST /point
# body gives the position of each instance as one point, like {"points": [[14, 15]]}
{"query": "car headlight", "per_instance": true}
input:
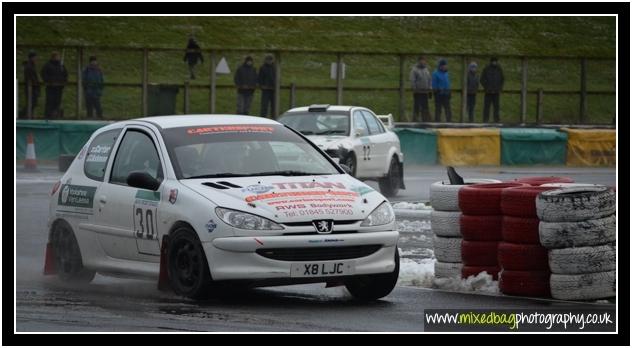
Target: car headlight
{"points": [[246, 221], [382, 215]]}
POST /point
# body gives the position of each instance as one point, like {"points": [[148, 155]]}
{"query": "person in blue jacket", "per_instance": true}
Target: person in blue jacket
{"points": [[441, 90], [92, 80]]}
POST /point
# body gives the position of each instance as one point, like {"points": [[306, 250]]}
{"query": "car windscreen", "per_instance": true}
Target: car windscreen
{"points": [[242, 150], [317, 123]]}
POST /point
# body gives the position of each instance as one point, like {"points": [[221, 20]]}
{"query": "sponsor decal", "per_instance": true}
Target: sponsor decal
{"points": [[145, 197], [266, 196], [99, 153], [76, 196], [173, 196], [323, 226], [361, 190], [230, 129], [258, 189], [210, 226], [308, 185], [326, 240]]}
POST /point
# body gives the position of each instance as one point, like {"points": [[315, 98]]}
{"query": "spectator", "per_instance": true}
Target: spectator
{"points": [[246, 82], [441, 91], [55, 76], [421, 82], [192, 55], [472, 88], [92, 80], [492, 80], [31, 78], [267, 79]]}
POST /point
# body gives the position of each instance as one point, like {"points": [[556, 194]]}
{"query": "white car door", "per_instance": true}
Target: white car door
{"points": [[379, 144], [128, 216], [361, 146]]}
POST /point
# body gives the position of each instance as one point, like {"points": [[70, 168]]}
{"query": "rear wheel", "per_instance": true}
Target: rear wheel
{"points": [[374, 286], [189, 273], [68, 261], [389, 185]]}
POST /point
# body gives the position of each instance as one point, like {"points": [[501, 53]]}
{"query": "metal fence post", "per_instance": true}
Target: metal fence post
{"points": [[583, 104], [463, 88], [538, 114], [277, 85], [292, 95], [29, 99], [79, 80], [523, 92], [213, 83], [402, 97], [339, 79], [186, 97], [145, 80]]}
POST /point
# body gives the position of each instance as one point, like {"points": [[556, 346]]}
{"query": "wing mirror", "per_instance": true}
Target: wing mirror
{"points": [[142, 180], [359, 132]]}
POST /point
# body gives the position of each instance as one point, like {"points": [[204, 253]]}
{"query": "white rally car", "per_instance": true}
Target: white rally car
{"points": [[356, 137], [214, 201]]}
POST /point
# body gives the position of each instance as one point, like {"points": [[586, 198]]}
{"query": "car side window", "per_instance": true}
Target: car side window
{"points": [[99, 153], [374, 125], [137, 152], [359, 124]]}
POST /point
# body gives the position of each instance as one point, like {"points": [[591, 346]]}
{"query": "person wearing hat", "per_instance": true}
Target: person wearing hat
{"points": [[55, 76], [267, 79], [92, 80], [31, 78], [492, 80], [441, 91], [192, 55], [472, 88], [246, 82], [421, 83]]}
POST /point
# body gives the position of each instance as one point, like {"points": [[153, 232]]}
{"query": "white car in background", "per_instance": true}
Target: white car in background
{"points": [[213, 200], [355, 137]]}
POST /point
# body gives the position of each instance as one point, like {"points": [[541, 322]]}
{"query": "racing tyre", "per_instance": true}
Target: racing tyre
{"points": [[540, 180], [525, 283], [481, 228], [468, 271], [479, 253], [389, 185], [520, 230], [554, 235], [67, 256], [351, 162], [189, 273], [445, 197], [447, 269], [447, 249], [445, 223], [575, 204], [520, 201], [483, 199], [374, 286], [523, 257], [582, 260], [589, 286]]}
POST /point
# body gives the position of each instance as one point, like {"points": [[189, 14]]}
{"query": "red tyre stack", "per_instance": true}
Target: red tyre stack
{"points": [[481, 227], [523, 260]]}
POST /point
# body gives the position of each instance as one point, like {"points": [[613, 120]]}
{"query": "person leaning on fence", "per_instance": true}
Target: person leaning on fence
{"points": [[492, 80], [266, 81], [55, 76], [192, 55], [246, 82], [92, 80], [31, 79], [441, 91], [421, 84], [472, 88]]}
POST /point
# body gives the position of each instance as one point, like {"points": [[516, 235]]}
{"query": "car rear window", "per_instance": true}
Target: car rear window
{"points": [[98, 154]]}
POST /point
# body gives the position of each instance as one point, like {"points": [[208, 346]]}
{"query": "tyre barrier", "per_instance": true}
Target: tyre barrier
{"points": [[445, 197], [477, 253], [481, 228], [523, 257], [525, 283], [520, 230], [583, 259], [520, 201], [445, 223], [447, 269], [555, 235], [575, 204], [447, 249], [412, 214], [540, 180], [483, 199], [587, 286], [468, 271]]}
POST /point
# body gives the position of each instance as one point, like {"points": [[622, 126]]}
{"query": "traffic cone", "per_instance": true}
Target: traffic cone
{"points": [[163, 277], [49, 260], [30, 163]]}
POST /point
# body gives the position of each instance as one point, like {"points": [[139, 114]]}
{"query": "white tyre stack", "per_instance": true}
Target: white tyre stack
{"points": [[444, 221], [578, 227]]}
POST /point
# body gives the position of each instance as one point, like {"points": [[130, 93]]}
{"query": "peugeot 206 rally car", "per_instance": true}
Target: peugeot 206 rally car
{"points": [[356, 137], [216, 200]]}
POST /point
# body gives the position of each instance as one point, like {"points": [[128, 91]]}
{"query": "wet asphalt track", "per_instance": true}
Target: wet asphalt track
{"points": [[108, 304]]}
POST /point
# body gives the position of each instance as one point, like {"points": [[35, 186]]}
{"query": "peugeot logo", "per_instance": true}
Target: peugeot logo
{"points": [[323, 226]]}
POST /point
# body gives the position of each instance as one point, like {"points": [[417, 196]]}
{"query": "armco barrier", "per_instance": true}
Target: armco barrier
{"points": [[473, 146], [532, 146], [419, 145], [590, 147], [54, 138]]}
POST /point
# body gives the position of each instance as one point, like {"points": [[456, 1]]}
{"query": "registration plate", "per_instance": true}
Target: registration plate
{"points": [[322, 269]]}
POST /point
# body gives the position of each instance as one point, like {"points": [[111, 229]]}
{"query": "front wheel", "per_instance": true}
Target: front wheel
{"points": [[67, 257], [351, 162], [374, 286], [390, 184], [189, 273]]}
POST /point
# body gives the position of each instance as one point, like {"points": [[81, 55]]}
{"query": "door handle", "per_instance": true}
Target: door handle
{"points": [[102, 200]]}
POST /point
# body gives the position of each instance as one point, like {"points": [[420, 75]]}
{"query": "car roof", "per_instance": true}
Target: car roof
{"points": [[174, 121], [345, 108]]}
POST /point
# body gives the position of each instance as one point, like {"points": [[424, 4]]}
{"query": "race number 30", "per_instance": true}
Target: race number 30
{"points": [[145, 222]]}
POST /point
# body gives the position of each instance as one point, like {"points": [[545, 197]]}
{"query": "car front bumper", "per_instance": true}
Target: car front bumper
{"points": [[236, 258]]}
